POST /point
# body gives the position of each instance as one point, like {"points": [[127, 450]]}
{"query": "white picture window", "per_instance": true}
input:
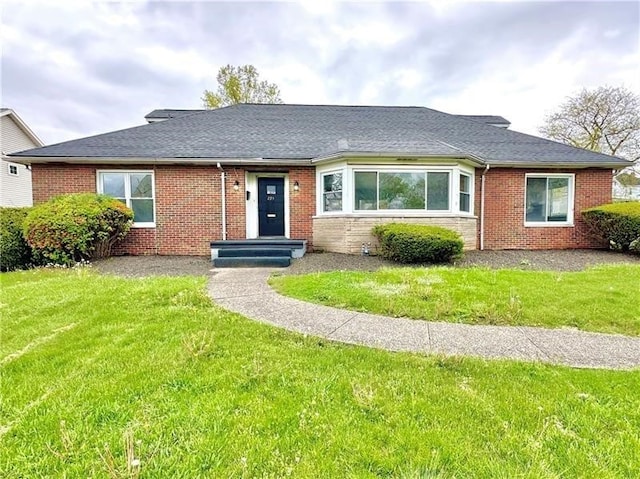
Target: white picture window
{"points": [[332, 192], [401, 190], [549, 200], [13, 169], [133, 188]]}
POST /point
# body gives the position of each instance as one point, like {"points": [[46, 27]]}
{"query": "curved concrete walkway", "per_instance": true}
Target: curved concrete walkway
{"points": [[246, 291]]}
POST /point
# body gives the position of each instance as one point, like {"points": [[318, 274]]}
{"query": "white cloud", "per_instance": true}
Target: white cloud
{"points": [[76, 68]]}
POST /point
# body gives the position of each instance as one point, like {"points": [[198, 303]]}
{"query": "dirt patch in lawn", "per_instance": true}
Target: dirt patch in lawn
{"points": [[555, 260], [139, 266]]}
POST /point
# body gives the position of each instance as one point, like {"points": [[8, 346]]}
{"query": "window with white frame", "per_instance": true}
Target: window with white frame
{"points": [[549, 199], [135, 189], [332, 192], [465, 193], [13, 169], [401, 190]]}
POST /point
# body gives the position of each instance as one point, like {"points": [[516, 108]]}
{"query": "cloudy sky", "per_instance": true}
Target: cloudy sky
{"points": [[73, 69]]}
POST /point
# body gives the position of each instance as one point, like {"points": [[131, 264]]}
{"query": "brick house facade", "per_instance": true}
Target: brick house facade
{"points": [[341, 170], [188, 203], [504, 225]]}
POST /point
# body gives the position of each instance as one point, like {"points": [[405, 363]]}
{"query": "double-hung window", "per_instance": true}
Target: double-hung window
{"points": [[391, 190], [549, 199], [332, 192], [465, 193], [135, 189]]}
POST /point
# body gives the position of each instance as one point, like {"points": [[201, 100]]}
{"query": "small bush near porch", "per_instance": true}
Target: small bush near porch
{"points": [[111, 377], [409, 243]]}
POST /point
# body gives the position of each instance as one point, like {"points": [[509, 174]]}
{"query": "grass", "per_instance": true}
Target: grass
{"points": [[112, 377], [604, 299]]}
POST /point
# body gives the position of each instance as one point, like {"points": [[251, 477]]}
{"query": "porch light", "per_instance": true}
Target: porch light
{"points": [[236, 185], [296, 186]]}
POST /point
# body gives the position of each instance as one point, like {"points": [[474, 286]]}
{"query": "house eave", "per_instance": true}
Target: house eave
{"points": [[102, 160], [343, 155], [24, 127], [557, 165]]}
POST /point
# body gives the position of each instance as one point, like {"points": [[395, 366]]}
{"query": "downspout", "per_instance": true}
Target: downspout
{"points": [[482, 183], [223, 197]]}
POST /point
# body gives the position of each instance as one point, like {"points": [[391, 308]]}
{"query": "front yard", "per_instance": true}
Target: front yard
{"points": [[605, 298], [112, 377]]}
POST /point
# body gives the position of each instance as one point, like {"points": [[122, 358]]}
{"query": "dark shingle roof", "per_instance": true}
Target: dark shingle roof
{"points": [[488, 119], [299, 132], [165, 114]]}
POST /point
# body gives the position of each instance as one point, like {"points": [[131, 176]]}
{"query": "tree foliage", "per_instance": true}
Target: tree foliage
{"points": [[606, 120], [240, 85]]}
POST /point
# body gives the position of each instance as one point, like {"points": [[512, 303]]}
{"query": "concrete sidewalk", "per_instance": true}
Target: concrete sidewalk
{"points": [[246, 291]]}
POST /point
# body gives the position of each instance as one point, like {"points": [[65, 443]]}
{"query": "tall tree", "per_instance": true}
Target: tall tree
{"points": [[240, 85], [606, 120]]}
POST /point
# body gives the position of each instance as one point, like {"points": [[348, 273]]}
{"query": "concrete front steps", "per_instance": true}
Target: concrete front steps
{"points": [[256, 252]]}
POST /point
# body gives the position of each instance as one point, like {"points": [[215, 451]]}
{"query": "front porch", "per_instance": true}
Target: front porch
{"points": [[260, 252]]}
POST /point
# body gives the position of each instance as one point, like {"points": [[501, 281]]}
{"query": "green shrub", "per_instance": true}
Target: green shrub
{"points": [[76, 227], [407, 243], [616, 224], [15, 253]]}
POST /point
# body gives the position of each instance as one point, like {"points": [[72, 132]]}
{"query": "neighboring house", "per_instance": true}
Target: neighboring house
{"points": [[626, 193], [15, 178], [328, 174]]}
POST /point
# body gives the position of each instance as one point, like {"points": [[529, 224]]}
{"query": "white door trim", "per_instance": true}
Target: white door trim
{"points": [[251, 214]]}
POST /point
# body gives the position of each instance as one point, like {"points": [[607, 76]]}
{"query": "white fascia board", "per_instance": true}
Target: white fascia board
{"points": [[394, 155], [28, 160], [23, 126], [554, 166]]}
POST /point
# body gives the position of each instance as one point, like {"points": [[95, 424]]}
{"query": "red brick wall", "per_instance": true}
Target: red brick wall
{"points": [[188, 204], [504, 210], [302, 203]]}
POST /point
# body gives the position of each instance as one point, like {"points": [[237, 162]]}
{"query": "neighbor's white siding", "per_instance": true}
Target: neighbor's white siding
{"points": [[14, 190]]}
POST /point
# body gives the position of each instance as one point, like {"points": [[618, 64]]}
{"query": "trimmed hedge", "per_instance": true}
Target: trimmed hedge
{"points": [[409, 243], [76, 227], [15, 253], [617, 224]]}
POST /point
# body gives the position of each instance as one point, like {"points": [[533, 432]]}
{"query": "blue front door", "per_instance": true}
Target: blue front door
{"points": [[271, 206]]}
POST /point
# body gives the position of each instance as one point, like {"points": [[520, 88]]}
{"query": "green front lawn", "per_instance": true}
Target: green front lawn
{"points": [[111, 377], [605, 298]]}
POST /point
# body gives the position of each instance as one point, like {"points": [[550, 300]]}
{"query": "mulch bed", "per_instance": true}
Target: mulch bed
{"points": [[555, 260]]}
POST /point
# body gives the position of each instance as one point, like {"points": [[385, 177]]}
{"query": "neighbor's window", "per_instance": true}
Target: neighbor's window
{"points": [[465, 193], [549, 199], [135, 189], [332, 192], [13, 170], [381, 190]]}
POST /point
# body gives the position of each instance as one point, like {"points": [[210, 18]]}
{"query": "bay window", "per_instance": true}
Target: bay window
{"points": [[133, 188]]}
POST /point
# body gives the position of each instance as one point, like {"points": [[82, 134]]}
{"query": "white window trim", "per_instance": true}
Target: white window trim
{"points": [[127, 192], [470, 192], [423, 171], [321, 190], [11, 165], [570, 201]]}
